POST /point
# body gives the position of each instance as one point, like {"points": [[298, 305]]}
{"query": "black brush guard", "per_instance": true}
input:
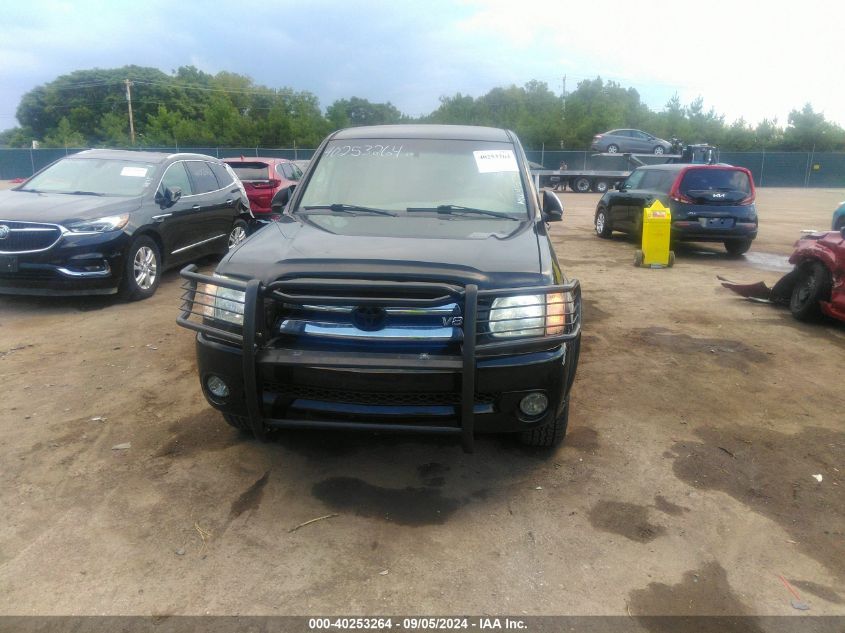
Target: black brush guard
{"points": [[386, 291]]}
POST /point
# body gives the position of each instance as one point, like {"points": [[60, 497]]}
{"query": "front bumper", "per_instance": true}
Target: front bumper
{"points": [[476, 389], [76, 265]]}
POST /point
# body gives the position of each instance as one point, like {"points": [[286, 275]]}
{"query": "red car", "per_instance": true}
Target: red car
{"points": [[263, 177], [815, 286]]}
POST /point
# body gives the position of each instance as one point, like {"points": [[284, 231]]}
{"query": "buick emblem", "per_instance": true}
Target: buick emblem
{"points": [[369, 318], [5, 231]]}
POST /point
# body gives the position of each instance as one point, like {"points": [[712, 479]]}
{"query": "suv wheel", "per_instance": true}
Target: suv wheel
{"points": [[237, 234], [659, 150], [141, 269], [812, 286], [736, 248], [549, 434], [603, 228]]}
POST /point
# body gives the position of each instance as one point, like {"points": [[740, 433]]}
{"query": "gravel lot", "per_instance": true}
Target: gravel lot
{"points": [[685, 486]]}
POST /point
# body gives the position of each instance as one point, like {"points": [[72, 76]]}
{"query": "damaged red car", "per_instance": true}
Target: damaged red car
{"points": [[815, 287]]}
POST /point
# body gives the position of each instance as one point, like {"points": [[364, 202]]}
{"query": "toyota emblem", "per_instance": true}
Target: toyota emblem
{"points": [[5, 231], [369, 318]]}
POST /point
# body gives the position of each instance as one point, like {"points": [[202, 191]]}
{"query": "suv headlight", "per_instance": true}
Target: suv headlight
{"points": [[100, 225], [531, 315], [223, 304]]}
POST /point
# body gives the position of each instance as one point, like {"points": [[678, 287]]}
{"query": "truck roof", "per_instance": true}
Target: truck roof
{"points": [[447, 132]]}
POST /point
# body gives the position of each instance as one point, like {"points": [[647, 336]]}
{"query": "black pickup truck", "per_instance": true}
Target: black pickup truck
{"points": [[410, 285]]}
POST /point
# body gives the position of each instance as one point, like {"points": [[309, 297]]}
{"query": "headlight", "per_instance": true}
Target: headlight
{"points": [[531, 315], [100, 225], [223, 304]]}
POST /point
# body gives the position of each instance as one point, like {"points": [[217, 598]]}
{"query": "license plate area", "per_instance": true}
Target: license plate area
{"points": [[8, 263], [716, 223]]}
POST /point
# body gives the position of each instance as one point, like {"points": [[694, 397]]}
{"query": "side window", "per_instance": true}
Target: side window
{"points": [[224, 179], [635, 179], [202, 176], [297, 172], [639, 135], [176, 176], [653, 180], [288, 171], [625, 133]]}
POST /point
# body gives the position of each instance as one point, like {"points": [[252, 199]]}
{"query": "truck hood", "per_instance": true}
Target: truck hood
{"points": [[488, 252], [60, 208]]}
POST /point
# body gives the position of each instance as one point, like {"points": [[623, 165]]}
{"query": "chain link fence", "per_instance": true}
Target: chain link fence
{"points": [[770, 169]]}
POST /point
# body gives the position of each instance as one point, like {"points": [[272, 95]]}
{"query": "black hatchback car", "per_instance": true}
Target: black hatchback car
{"points": [[103, 221], [708, 203], [410, 285]]}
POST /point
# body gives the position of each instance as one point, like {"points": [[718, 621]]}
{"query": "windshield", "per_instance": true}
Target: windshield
{"points": [[459, 179], [94, 176]]}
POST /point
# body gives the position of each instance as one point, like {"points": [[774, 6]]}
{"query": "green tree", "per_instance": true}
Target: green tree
{"points": [[64, 136]]}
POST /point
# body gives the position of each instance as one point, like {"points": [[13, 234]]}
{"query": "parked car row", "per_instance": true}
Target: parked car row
{"points": [[111, 221]]}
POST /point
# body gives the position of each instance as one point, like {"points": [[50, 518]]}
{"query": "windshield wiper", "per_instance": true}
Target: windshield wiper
{"points": [[339, 207], [456, 209], [85, 193]]}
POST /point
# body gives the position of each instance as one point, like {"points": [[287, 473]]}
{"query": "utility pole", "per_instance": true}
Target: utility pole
{"points": [[564, 94], [129, 103]]}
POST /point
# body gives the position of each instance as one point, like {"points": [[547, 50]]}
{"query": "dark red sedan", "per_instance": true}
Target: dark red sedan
{"points": [[263, 177]]}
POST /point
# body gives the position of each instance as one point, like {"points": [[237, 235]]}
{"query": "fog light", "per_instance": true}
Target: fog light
{"points": [[534, 404], [217, 387]]}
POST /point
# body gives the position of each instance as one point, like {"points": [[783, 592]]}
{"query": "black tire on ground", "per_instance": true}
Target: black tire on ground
{"points": [[813, 285], [141, 269], [736, 248], [613, 148], [602, 224], [659, 149], [240, 422], [549, 434], [600, 186], [638, 258], [581, 184], [237, 234], [671, 258]]}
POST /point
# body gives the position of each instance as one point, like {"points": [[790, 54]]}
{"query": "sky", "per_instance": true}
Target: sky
{"points": [[746, 59]]}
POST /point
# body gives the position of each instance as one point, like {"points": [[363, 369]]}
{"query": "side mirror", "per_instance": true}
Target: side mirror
{"points": [[552, 207], [170, 196], [281, 199], [620, 186]]}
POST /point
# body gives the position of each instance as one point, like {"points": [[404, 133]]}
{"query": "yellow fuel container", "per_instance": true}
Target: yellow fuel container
{"points": [[657, 225]]}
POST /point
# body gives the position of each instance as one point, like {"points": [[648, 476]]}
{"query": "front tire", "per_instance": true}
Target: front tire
{"points": [[547, 435], [141, 269], [813, 285], [603, 228], [736, 248], [239, 422]]}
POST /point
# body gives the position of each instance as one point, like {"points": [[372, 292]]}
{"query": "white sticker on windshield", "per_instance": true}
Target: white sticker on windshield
{"points": [[135, 172], [495, 160]]}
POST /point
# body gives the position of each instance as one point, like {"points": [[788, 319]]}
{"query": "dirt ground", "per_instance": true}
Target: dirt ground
{"points": [[686, 485]]}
